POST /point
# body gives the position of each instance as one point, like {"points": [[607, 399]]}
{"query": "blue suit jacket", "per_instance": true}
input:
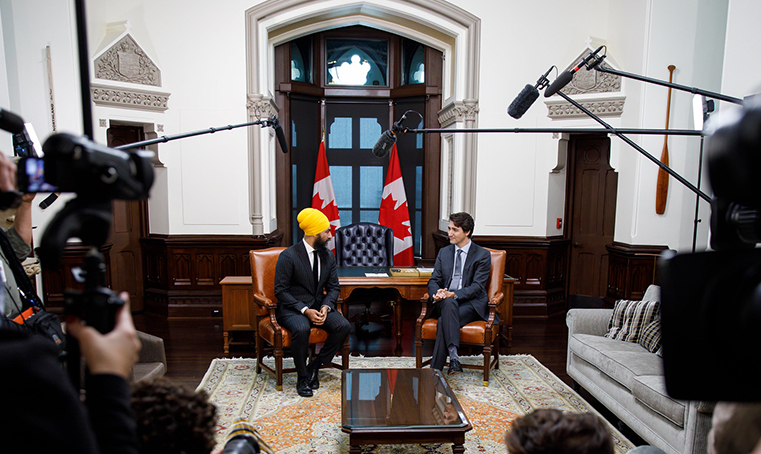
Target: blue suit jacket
{"points": [[475, 274]]}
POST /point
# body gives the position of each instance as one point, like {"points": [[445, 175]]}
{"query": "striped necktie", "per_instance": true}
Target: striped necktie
{"points": [[457, 278]]}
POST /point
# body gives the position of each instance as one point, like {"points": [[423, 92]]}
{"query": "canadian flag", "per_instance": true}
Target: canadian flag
{"points": [[323, 197], [395, 214]]}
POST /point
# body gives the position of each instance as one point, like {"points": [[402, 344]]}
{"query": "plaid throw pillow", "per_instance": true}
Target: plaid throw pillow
{"points": [[630, 318], [650, 337]]}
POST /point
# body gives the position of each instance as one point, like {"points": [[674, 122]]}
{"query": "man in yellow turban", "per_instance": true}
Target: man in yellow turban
{"points": [[306, 287]]}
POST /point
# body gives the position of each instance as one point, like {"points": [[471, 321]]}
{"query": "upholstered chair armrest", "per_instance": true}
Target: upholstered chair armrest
{"points": [[341, 307], [588, 321], [494, 304], [263, 301], [423, 310], [152, 350]]}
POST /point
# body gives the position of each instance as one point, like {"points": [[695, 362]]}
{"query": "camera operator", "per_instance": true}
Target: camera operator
{"points": [[17, 242], [40, 410]]}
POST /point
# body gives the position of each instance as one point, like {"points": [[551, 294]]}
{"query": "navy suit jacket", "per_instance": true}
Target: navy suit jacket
{"points": [[475, 274], [294, 282]]}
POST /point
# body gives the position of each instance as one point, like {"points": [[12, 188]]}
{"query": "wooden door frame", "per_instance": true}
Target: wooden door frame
{"points": [[569, 196]]}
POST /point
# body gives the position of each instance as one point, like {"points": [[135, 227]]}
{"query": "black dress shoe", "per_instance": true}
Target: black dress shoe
{"points": [[302, 387], [454, 366], [313, 378]]}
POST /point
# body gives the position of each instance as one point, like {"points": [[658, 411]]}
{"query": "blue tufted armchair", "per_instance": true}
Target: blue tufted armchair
{"points": [[367, 244]]}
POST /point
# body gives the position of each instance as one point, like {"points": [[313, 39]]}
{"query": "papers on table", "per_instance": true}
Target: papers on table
{"points": [[376, 274]]}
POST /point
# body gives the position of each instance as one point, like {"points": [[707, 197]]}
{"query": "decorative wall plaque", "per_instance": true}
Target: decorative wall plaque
{"points": [[125, 61]]}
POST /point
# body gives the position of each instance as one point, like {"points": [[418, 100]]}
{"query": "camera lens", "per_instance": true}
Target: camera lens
{"points": [[241, 444]]}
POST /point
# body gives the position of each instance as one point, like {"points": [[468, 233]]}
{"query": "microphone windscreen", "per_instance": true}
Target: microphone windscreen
{"points": [[384, 144], [561, 81], [11, 122], [523, 101], [281, 137]]}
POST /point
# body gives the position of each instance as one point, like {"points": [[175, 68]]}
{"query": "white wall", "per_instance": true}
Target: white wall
{"points": [[200, 48]]}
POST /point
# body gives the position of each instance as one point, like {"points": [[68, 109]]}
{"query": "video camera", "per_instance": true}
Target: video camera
{"points": [[98, 175], [243, 438], [711, 301]]}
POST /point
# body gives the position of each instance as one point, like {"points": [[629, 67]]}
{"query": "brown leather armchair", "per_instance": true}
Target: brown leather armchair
{"points": [[263, 262], [480, 333]]}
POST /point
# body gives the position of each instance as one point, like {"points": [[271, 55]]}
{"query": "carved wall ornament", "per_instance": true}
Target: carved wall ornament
{"points": [[592, 81], [457, 112], [132, 98], [610, 106], [125, 61], [261, 106]]}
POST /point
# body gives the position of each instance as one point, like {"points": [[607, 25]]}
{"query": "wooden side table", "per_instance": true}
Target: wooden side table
{"points": [[238, 310]]}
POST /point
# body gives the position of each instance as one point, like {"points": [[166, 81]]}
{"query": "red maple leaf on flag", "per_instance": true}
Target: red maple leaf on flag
{"points": [[323, 197], [395, 214]]}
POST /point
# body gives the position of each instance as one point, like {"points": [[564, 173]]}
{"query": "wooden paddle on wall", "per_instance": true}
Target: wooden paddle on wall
{"points": [[662, 187]]}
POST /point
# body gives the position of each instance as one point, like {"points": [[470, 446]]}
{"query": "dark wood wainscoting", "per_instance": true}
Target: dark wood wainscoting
{"points": [[631, 268], [183, 272], [56, 282], [539, 266]]}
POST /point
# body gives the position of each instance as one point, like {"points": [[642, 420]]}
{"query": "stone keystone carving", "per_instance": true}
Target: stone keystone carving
{"points": [[125, 61]]}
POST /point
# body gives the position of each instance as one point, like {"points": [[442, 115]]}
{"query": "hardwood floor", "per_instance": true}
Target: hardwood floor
{"points": [[191, 345]]}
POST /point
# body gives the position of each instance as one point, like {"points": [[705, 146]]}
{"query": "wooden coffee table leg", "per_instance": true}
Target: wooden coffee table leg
{"points": [[354, 449], [457, 448], [398, 316]]}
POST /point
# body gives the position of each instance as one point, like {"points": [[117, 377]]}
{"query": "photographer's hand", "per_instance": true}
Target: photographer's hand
{"points": [[113, 353], [22, 224], [7, 173]]}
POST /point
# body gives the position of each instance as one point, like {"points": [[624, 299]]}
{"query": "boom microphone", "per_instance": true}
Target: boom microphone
{"points": [[387, 139], [275, 123], [527, 96], [562, 80], [11, 122]]}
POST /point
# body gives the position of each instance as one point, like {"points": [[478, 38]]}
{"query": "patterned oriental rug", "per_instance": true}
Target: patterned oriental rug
{"points": [[292, 424]]}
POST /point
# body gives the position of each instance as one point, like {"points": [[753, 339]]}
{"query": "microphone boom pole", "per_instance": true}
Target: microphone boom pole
{"points": [[675, 132], [663, 166], [692, 90], [162, 139]]}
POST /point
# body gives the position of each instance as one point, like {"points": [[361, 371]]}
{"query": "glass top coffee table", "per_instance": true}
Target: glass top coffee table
{"points": [[395, 406]]}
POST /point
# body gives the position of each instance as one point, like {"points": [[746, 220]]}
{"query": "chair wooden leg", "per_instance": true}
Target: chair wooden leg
{"points": [[227, 342], [279, 369], [259, 354], [496, 355], [487, 361], [418, 353]]}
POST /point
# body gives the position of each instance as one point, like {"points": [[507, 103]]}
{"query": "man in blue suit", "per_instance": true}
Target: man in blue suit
{"points": [[306, 288], [457, 289]]}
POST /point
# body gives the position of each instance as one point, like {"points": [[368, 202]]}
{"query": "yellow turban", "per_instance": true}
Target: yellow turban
{"points": [[312, 221]]}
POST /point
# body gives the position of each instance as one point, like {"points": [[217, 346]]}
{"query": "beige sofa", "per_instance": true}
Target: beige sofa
{"points": [[629, 381], [151, 362]]}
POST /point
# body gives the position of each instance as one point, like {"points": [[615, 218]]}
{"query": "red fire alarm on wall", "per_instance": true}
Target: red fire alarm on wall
{"points": [[559, 223]]}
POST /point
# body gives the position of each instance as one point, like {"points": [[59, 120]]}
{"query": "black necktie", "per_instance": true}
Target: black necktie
{"points": [[315, 273]]}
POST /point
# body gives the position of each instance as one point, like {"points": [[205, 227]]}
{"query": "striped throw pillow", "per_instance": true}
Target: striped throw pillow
{"points": [[650, 337], [630, 318]]}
